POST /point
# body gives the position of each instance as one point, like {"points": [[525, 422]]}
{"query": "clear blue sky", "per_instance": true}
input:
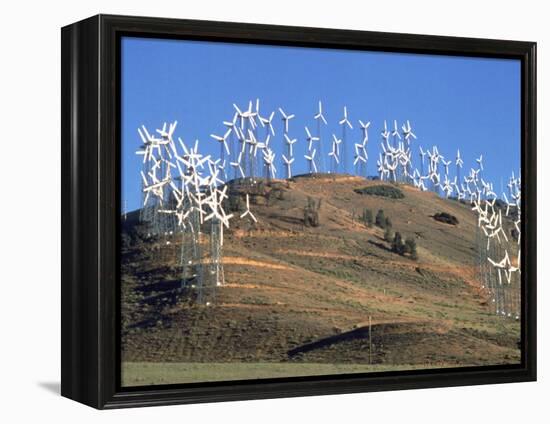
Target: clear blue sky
{"points": [[452, 102]]}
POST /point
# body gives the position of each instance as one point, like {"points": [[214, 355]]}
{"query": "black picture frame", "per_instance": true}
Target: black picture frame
{"points": [[90, 175]]}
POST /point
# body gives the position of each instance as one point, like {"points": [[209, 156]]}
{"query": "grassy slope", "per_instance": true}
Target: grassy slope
{"points": [[288, 286]]}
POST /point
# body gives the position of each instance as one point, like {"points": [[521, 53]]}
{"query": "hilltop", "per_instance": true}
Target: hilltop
{"points": [[304, 294]]}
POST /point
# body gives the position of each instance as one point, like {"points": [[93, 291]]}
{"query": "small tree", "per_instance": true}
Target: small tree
{"points": [[397, 244], [367, 217], [235, 203], [311, 213], [388, 235], [388, 222], [410, 248], [380, 219], [260, 188]]}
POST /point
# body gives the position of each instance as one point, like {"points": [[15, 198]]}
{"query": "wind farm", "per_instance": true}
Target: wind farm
{"points": [[264, 249], [289, 211]]}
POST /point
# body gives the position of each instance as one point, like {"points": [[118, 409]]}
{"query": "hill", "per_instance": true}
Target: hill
{"points": [[297, 294]]}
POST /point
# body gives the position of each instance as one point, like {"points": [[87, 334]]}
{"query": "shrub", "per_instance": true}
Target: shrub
{"points": [[311, 213], [397, 244], [388, 235], [235, 202], [381, 190], [380, 219], [260, 187], [274, 193], [388, 223], [410, 247], [367, 217], [446, 218]]}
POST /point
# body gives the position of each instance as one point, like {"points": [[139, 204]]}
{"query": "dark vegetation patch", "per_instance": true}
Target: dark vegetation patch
{"points": [[381, 190], [446, 218], [311, 212]]}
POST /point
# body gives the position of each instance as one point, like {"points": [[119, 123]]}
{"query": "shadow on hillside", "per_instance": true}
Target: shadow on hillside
{"points": [[151, 322], [167, 298], [154, 272], [287, 219], [161, 286], [379, 245], [359, 333]]}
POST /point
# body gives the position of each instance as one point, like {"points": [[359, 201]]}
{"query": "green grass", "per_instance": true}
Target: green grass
{"points": [[151, 373]]}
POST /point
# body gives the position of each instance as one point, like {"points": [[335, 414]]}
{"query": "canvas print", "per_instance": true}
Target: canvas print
{"points": [[296, 211]]}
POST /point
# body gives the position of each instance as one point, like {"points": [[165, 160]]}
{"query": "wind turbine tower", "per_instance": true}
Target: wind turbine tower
{"points": [[345, 122], [459, 164], [319, 117]]}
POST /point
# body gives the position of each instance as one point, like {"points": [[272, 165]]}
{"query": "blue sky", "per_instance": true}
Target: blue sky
{"points": [[452, 102]]}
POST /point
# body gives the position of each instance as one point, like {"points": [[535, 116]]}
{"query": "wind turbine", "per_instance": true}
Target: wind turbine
{"points": [[267, 122], [381, 167], [407, 131], [237, 166], [395, 133], [319, 117], [250, 115], [289, 143], [223, 142], [365, 131], [288, 164], [359, 158], [250, 154], [345, 122], [319, 114], [408, 135], [310, 139], [269, 158], [335, 153], [458, 162], [385, 133], [231, 125], [167, 135], [240, 115], [250, 127], [446, 165], [286, 119], [391, 169], [422, 156], [247, 212], [311, 159], [447, 187], [480, 162]]}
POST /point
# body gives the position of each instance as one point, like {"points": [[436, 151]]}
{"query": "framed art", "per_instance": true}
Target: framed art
{"points": [[254, 211]]}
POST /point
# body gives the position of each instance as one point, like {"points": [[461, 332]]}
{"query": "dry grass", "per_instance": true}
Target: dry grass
{"points": [[154, 373]]}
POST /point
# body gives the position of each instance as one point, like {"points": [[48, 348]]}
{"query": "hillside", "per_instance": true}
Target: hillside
{"points": [[300, 294]]}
